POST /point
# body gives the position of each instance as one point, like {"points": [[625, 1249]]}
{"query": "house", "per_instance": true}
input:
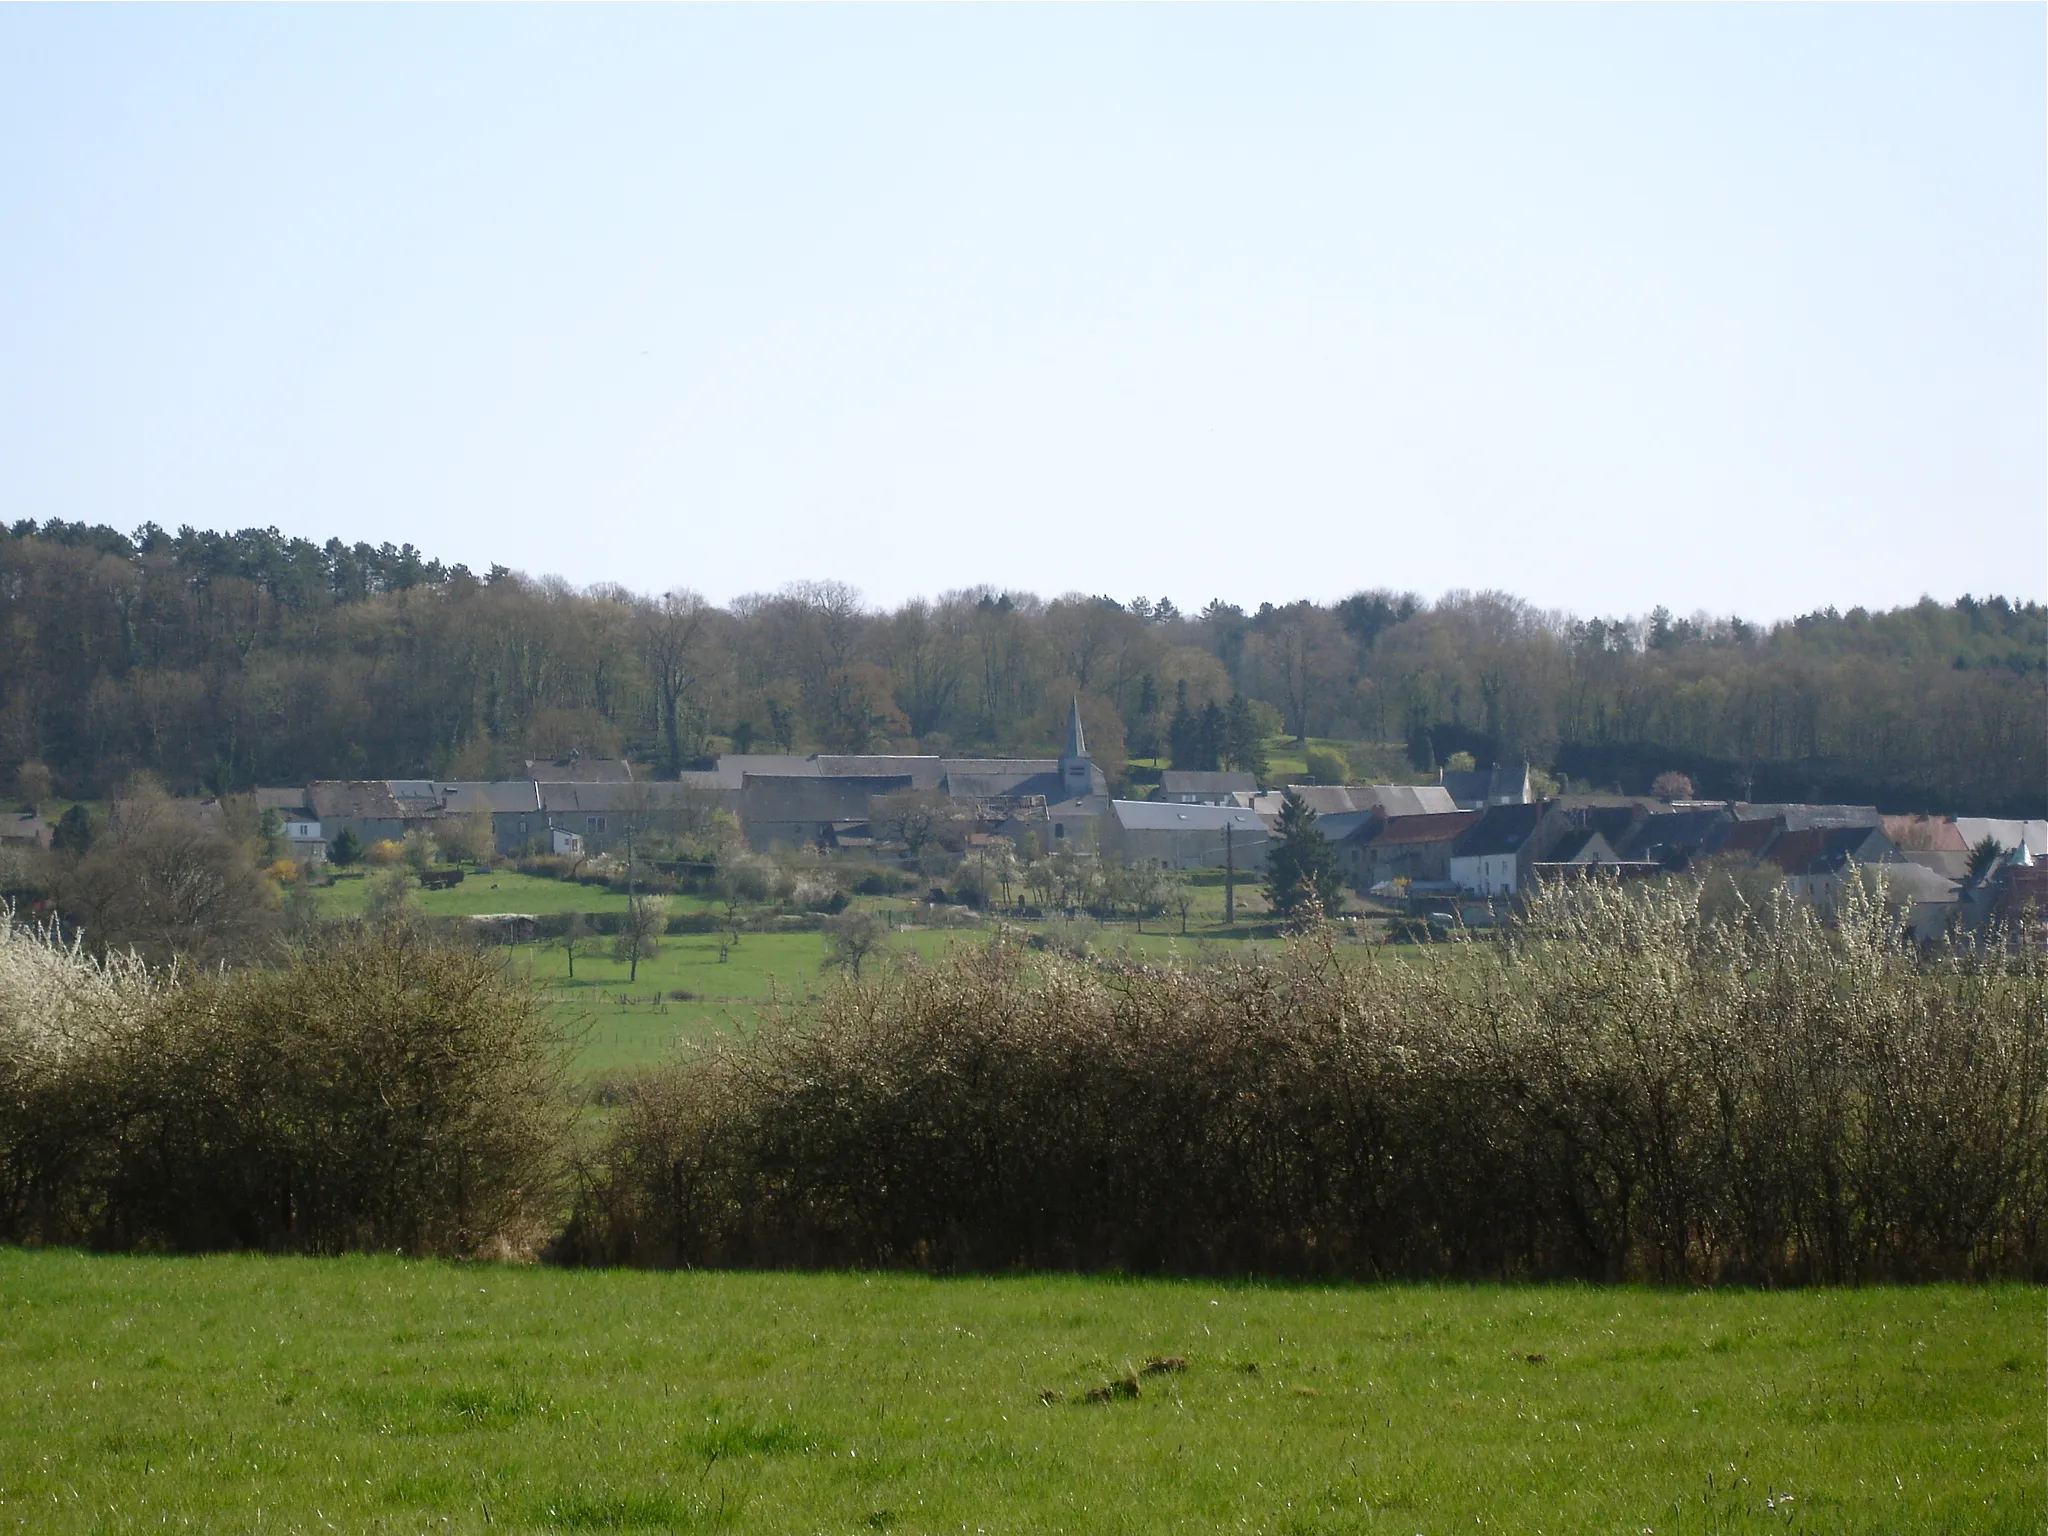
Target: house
{"points": [[1674, 839], [1180, 786], [578, 769], [606, 813], [1184, 835], [517, 822], [1818, 860], [565, 845], [1477, 789], [811, 810], [370, 808], [1924, 834], [24, 827], [1492, 858], [309, 843], [1414, 849]]}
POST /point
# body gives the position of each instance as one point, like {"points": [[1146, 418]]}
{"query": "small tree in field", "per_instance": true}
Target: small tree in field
{"points": [[576, 935], [641, 926], [852, 938]]}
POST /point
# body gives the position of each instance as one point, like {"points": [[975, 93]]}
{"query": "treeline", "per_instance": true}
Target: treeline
{"points": [[225, 660]]}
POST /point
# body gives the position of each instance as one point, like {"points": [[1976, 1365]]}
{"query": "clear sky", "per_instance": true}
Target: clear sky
{"points": [[1737, 308]]}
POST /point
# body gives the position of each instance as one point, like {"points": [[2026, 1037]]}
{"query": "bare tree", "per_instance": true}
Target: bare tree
{"points": [[672, 631]]}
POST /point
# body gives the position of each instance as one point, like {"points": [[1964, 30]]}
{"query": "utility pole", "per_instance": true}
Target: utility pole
{"points": [[1229, 877]]}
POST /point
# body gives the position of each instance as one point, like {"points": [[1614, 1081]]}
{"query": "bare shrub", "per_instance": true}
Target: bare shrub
{"points": [[1623, 1090]]}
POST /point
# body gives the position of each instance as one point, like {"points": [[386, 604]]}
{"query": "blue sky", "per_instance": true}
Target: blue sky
{"points": [[1737, 308]]}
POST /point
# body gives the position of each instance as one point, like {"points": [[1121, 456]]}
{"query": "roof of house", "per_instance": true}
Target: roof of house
{"points": [[578, 769], [1583, 845], [1403, 831], [363, 800], [1192, 781], [1802, 818], [1500, 829], [841, 797], [24, 826], [2033, 835], [616, 797], [1166, 816], [1826, 850], [501, 796], [1004, 785], [1402, 799], [284, 798], [1949, 863], [1751, 837], [923, 772], [1930, 834], [1673, 837], [1481, 786]]}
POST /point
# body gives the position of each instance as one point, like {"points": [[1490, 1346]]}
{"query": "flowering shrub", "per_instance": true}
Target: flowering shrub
{"points": [[1623, 1090]]}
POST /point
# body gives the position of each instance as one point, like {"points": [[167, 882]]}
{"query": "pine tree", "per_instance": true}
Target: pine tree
{"points": [[1302, 871]]}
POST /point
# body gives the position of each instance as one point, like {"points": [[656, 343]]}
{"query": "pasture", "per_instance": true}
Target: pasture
{"points": [[243, 1393]]}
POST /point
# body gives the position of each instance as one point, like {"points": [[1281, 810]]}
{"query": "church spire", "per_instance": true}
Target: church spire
{"points": [[1077, 743]]}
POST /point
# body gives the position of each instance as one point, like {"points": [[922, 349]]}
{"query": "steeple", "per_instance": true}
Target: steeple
{"points": [[1077, 774]]}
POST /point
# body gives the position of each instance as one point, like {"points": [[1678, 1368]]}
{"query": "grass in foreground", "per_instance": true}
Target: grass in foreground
{"points": [[246, 1393]]}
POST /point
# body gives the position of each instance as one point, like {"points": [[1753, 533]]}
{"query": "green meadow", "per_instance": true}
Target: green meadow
{"points": [[244, 1394]]}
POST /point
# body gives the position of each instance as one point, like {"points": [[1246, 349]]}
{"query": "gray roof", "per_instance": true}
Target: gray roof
{"points": [[362, 800], [1165, 816], [923, 772], [1674, 837], [1390, 799], [1402, 799], [1189, 781], [24, 825], [2033, 835], [1483, 786], [1500, 829], [501, 797], [1581, 846], [843, 797], [1805, 818], [413, 789], [616, 798], [578, 769]]}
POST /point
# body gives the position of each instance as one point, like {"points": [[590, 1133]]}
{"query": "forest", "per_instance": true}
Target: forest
{"points": [[216, 661]]}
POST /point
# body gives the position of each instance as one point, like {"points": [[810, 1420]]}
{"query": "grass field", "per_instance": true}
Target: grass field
{"points": [[379, 1394]]}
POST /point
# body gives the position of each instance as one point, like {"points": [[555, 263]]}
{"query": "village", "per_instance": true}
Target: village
{"points": [[1462, 851]]}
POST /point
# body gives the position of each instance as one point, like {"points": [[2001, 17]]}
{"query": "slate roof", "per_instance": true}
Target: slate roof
{"points": [[1483, 786], [360, 799], [1583, 845], [577, 769], [1674, 838], [1826, 850], [2010, 834], [24, 826], [616, 797], [1190, 781], [1166, 816], [1501, 829], [500, 797], [843, 797], [1406, 831]]}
